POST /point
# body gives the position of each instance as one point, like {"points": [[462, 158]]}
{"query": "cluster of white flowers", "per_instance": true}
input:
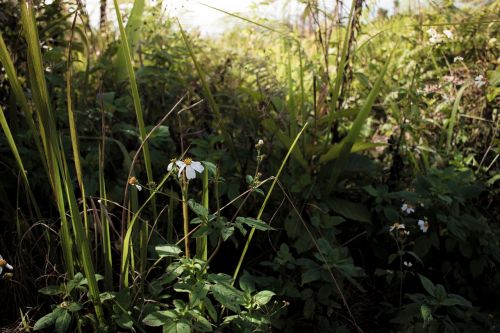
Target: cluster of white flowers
{"points": [[407, 263], [4, 263], [407, 208], [479, 81], [436, 37], [459, 58]]}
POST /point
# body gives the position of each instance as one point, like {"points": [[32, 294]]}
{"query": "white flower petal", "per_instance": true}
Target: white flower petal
{"points": [[190, 173], [197, 166], [170, 166], [180, 164], [138, 187], [8, 266], [1, 269]]}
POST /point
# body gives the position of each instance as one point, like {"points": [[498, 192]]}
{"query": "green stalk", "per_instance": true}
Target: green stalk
{"points": [[185, 213], [202, 242], [106, 236], [82, 243], [259, 215]]}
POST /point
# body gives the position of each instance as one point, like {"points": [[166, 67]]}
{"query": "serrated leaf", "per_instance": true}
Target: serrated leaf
{"points": [[201, 324], [47, 320], [263, 297], [427, 284], [198, 209], [51, 290], [227, 296], [167, 250], [177, 327], [158, 318], [74, 307], [62, 322]]}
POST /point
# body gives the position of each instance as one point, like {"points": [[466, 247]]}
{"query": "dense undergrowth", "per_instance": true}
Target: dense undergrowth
{"points": [[348, 175]]}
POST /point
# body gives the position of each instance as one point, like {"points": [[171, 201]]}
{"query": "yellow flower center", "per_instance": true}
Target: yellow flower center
{"points": [[188, 161], [3, 263], [132, 180]]}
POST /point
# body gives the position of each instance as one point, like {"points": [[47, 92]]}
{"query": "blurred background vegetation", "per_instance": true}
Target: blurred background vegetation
{"points": [[384, 218]]}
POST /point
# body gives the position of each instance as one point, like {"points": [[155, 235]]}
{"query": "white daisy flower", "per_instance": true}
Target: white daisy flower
{"points": [[423, 225], [448, 33], [4, 263], [190, 166], [407, 208]]}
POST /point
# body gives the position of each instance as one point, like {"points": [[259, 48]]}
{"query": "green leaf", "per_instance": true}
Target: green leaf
{"points": [[62, 322], [351, 210], [198, 209], [310, 276], [168, 250], [159, 318], [47, 320], [263, 297], [254, 223], [426, 313], [201, 324], [210, 309], [74, 307], [428, 285], [180, 326], [51, 290], [227, 296]]}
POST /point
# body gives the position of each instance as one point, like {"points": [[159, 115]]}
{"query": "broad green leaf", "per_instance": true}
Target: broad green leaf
{"points": [[351, 210], [62, 322], [227, 296], [198, 209], [159, 318], [428, 285], [201, 324], [263, 297], [167, 250], [47, 320], [180, 326], [51, 290]]}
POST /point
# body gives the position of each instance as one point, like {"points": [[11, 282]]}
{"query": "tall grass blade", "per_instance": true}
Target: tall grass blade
{"points": [[349, 141], [135, 95], [453, 116], [133, 33]]}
